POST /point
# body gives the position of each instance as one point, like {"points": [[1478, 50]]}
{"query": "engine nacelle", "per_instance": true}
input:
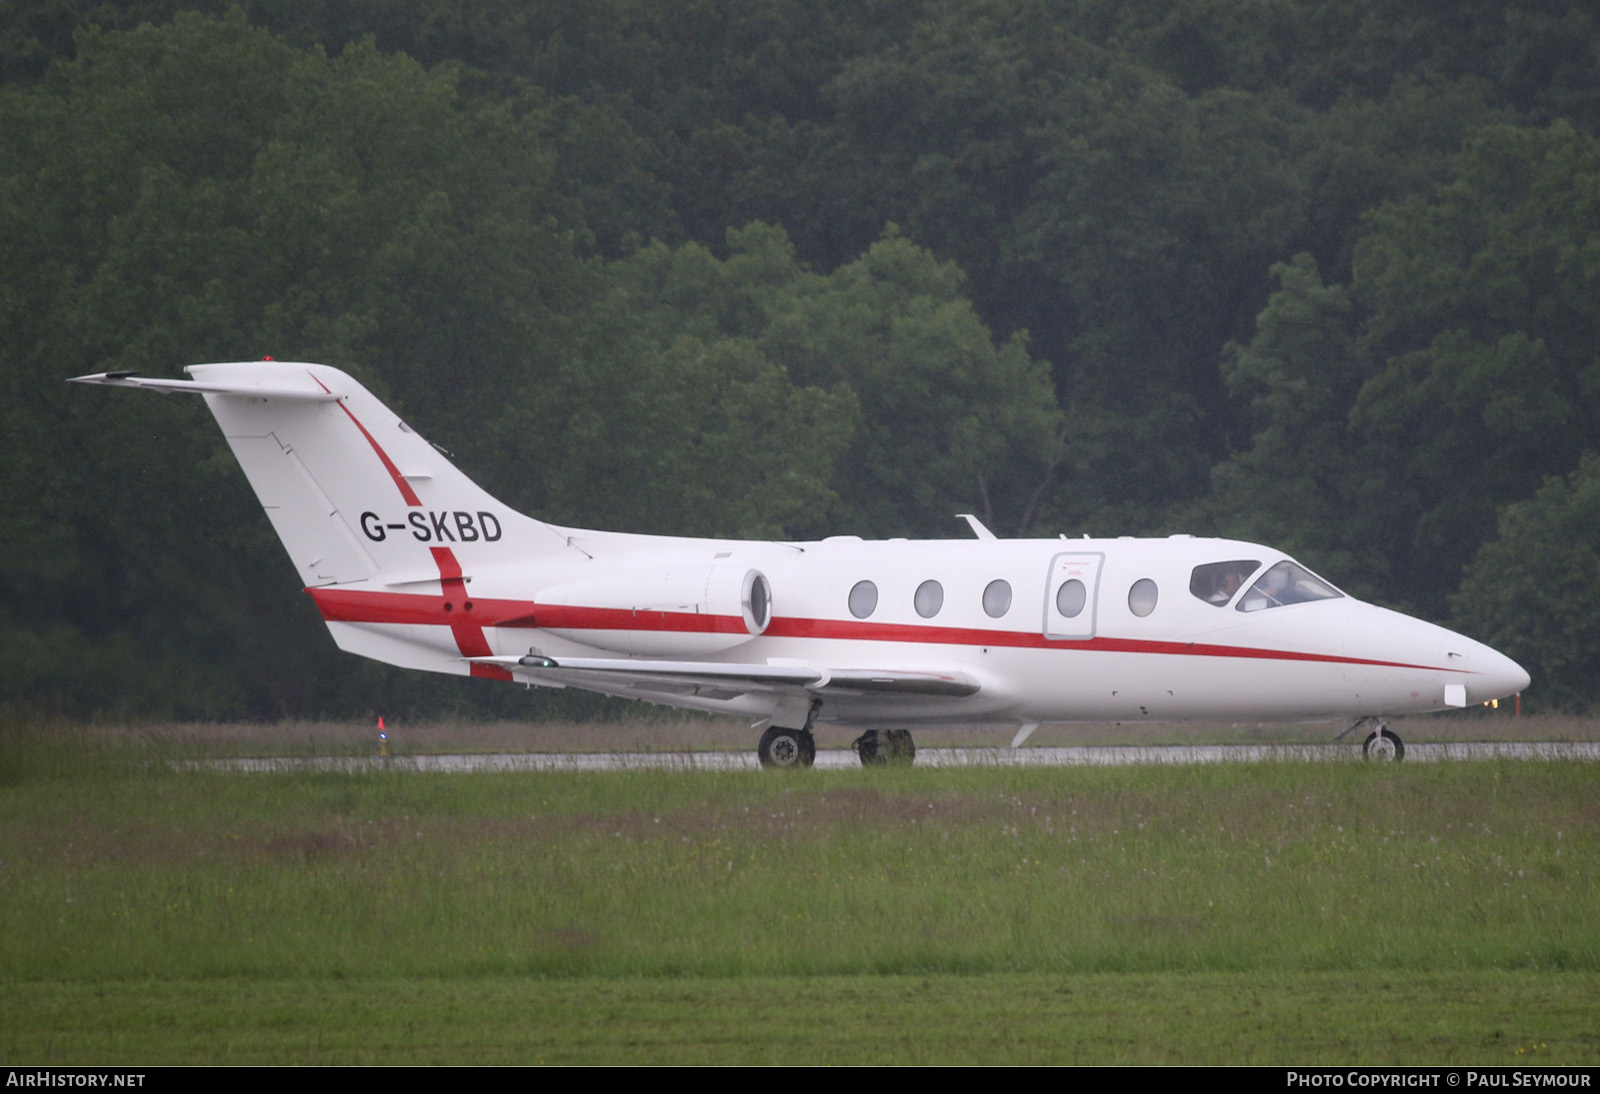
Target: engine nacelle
{"points": [[660, 611]]}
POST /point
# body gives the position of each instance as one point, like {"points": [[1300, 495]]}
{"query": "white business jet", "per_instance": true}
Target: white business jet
{"points": [[411, 563]]}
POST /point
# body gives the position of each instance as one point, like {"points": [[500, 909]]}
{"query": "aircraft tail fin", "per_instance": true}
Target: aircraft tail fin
{"points": [[352, 491]]}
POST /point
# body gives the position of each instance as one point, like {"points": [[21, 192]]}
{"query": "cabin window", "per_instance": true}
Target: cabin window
{"points": [[1286, 583], [1217, 582], [997, 599], [1142, 597], [929, 599], [863, 599], [1070, 598]]}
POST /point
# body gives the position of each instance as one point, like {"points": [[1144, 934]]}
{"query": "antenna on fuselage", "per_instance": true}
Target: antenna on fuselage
{"points": [[976, 525]]}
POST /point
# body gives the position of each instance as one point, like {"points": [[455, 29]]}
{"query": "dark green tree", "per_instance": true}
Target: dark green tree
{"points": [[752, 396], [1533, 591], [1306, 482], [1482, 320], [200, 191]]}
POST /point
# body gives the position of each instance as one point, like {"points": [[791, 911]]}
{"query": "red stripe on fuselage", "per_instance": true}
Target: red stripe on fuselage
{"points": [[353, 606]]}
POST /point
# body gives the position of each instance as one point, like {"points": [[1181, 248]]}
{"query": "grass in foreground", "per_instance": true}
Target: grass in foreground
{"points": [[1276, 912], [669, 731], [1480, 1018]]}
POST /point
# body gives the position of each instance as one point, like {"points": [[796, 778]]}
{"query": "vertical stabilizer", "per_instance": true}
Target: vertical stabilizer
{"points": [[352, 491]]}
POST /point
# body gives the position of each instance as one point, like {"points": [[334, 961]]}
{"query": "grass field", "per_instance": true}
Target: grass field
{"points": [[1272, 913], [668, 731]]}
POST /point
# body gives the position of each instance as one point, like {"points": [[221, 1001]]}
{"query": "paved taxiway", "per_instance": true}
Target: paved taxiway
{"points": [[927, 757]]}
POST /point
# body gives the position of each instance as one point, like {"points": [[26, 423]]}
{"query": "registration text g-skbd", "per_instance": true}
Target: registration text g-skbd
{"points": [[435, 526]]}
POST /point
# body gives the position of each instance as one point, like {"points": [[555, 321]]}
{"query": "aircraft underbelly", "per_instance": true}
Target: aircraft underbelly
{"points": [[408, 645], [1094, 685]]}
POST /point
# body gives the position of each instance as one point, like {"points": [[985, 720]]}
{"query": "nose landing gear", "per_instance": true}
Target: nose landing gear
{"points": [[1381, 744]]}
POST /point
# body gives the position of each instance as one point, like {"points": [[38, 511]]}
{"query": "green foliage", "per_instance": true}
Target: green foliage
{"points": [[1391, 419], [1533, 591], [751, 396], [201, 191], [952, 422], [528, 226], [1483, 319], [1303, 483]]}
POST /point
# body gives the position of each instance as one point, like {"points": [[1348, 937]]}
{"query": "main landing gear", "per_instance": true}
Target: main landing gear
{"points": [[1381, 744], [781, 747], [893, 746], [784, 747]]}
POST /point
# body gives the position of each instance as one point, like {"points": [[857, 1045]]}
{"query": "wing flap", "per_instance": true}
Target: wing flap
{"points": [[714, 679]]}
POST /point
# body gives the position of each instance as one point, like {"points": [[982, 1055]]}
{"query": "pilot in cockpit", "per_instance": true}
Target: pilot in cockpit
{"points": [[1217, 582], [1286, 583]]}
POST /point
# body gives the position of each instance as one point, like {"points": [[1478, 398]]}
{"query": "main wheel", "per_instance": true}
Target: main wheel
{"points": [[868, 746], [902, 749], [781, 747], [1383, 745]]}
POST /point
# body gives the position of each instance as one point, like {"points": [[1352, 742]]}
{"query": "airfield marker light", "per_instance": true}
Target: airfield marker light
{"points": [[383, 738]]}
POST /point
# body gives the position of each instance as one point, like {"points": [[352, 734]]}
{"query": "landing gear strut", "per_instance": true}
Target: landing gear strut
{"points": [[781, 747], [1381, 744], [894, 746]]}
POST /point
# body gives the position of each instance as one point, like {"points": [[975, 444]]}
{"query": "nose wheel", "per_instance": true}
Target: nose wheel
{"points": [[1381, 744]]}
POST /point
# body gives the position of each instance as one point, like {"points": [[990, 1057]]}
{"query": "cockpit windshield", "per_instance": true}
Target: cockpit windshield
{"points": [[1217, 582], [1286, 583]]}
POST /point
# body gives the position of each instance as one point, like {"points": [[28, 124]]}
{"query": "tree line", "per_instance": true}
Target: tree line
{"points": [[1317, 274]]}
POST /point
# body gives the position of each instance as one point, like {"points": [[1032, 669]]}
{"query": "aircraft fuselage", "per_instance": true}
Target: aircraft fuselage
{"points": [[413, 564]]}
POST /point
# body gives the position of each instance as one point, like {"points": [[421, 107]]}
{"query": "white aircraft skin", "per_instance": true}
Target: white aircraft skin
{"points": [[411, 563]]}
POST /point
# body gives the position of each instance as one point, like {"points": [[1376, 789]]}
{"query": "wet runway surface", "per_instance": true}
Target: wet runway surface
{"points": [[1112, 756]]}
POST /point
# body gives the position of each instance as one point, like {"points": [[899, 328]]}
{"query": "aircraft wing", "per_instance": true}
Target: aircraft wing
{"points": [[715, 680]]}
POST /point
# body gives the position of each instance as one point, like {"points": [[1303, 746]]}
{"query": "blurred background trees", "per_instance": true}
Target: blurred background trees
{"points": [[1320, 274]]}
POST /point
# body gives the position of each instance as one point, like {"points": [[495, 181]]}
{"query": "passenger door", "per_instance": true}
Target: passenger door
{"points": [[1072, 595]]}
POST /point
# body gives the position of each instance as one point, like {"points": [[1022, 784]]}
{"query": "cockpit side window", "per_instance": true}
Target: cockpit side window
{"points": [[1216, 582], [1286, 583]]}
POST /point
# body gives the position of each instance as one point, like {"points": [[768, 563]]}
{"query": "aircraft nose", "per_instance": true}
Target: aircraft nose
{"points": [[1453, 670], [1497, 676]]}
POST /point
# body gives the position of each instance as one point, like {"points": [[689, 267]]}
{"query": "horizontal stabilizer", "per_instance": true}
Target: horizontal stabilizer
{"points": [[199, 387]]}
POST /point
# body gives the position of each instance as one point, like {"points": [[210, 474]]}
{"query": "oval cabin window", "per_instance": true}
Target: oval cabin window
{"points": [[997, 599], [1142, 597], [863, 599], [1071, 597]]}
